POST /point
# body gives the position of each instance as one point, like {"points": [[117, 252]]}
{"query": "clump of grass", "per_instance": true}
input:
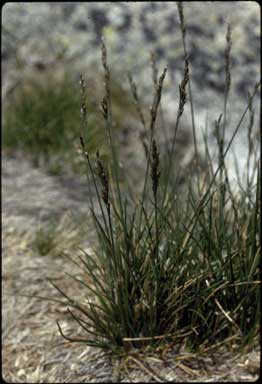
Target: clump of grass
{"points": [[55, 235], [168, 266], [45, 240], [41, 118]]}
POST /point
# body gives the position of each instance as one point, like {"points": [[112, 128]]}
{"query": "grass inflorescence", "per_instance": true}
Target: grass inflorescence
{"points": [[168, 265]]}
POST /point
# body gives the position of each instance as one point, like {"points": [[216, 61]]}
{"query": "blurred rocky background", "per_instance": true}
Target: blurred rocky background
{"points": [[42, 36]]}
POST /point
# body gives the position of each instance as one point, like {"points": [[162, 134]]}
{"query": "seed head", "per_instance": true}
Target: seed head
{"points": [[106, 70], [181, 17], [182, 88], [154, 67], [227, 58], [104, 108], [83, 108], [104, 180], [82, 83], [155, 173], [136, 99], [157, 99], [85, 153]]}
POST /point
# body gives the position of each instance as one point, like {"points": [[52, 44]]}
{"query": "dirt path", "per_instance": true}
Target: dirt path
{"points": [[32, 349]]}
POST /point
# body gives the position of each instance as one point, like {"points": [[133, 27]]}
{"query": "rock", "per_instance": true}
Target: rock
{"points": [[132, 30]]}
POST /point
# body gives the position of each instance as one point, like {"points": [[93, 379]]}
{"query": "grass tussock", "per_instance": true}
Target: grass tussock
{"points": [[168, 265], [54, 236], [41, 118]]}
